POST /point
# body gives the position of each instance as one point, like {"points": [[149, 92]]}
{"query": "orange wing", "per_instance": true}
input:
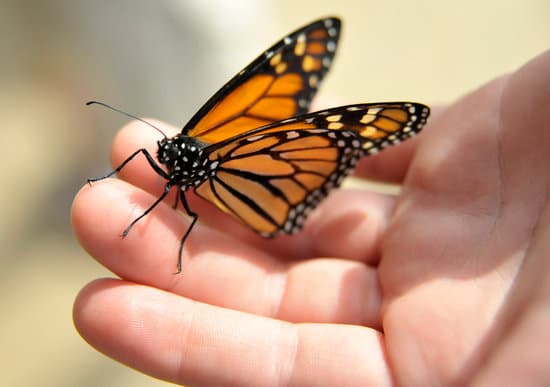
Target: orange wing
{"points": [[277, 85], [271, 178]]}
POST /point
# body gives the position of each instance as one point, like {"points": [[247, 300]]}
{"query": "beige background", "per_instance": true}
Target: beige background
{"points": [[163, 59]]}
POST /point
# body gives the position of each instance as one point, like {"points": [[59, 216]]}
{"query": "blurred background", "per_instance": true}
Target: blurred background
{"points": [[163, 59]]}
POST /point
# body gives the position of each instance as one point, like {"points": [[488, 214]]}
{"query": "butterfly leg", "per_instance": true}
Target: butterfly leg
{"points": [[167, 188], [175, 206], [149, 158], [194, 218]]}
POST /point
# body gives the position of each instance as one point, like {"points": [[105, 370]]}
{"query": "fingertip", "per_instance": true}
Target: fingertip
{"points": [[93, 212], [82, 208], [91, 302], [76, 207], [87, 296], [118, 319], [102, 212]]}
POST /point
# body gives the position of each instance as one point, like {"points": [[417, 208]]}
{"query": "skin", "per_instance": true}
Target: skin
{"points": [[446, 284]]}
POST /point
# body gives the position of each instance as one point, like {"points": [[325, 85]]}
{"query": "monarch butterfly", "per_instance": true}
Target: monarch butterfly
{"points": [[254, 151]]}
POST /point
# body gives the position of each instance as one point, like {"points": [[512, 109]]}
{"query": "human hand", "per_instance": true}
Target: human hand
{"points": [[444, 285]]}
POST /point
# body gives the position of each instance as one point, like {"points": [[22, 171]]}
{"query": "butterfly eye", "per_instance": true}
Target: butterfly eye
{"points": [[167, 151]]}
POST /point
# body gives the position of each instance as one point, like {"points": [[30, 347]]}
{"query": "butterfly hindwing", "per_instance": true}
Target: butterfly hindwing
{"points": [[272, 177], [279, 84]]}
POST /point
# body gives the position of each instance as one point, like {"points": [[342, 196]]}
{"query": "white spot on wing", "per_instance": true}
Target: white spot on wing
{"points": [[255, 138]]}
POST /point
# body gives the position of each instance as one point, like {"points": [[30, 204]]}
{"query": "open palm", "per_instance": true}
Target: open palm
{"points": [[445, 284]]}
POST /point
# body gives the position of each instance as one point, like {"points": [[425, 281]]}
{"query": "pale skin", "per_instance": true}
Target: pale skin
{"points": [[446, 284]]}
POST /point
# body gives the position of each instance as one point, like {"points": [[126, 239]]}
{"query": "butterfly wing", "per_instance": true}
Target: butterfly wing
{"points": [[270, 179], [280, 83]]}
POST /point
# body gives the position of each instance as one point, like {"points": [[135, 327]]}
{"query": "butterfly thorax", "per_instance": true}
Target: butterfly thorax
{"points": [[183, 157]]}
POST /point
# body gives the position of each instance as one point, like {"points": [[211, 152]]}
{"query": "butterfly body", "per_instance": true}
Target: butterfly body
{"points": [[183, 157], [255, 152]]}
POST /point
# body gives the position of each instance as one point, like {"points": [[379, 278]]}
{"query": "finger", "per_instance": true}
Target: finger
{"points": [[392, 164], [217, 268], [187, 342]]}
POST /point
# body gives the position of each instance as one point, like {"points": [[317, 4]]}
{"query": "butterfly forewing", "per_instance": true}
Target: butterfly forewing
{"points": [[277, 85], [272, 177]]}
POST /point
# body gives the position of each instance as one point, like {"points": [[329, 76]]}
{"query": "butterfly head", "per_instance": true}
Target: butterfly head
{"points": [[182, 157]]}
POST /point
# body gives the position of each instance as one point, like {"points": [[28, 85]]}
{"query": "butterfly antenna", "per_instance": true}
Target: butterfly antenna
{"points": [[126, 114]]}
